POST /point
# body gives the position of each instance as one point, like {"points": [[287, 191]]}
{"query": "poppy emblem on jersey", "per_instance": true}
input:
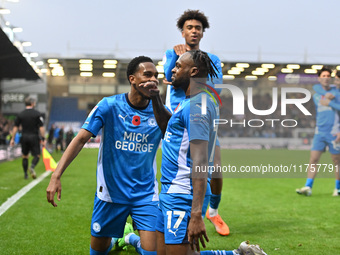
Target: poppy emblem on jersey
{"points": [[136, 120]]}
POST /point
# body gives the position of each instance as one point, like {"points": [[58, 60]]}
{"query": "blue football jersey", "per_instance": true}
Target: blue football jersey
{"points": [[327, 118], [319, 89], [185, 125], [126, 167], [175, 96]]}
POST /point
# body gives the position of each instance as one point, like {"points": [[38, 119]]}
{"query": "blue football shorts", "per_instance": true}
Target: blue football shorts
{"points": [[322, 140], [173, 217], [108, 219]]}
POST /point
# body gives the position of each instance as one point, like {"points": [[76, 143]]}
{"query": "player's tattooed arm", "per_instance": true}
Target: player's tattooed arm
{"points": [[196, 229], [162, 115]]}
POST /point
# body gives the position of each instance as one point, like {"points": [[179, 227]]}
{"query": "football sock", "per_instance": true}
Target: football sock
{"points": [[149, 252], [213, 212], [35, 161], [134, 240], [337, 184], [25, 164], [218, 252], [93, 252], [309, 182], [215, 200]]}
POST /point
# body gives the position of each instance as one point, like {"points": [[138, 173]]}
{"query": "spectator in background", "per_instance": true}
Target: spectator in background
{"points": [[56, 134], [60, 140], [18, 135], [33, 132], [69, 136], [50, 138], [4, 130]]}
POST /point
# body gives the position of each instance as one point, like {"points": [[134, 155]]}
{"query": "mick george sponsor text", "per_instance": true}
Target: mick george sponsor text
{"points": [[134, 142]]}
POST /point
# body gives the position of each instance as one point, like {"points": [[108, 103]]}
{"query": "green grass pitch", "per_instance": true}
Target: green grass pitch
{"points": [[266, 211]]}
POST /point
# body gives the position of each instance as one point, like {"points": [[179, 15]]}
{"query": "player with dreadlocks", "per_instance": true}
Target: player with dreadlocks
{"points": [[187, 152], [192, 25]]}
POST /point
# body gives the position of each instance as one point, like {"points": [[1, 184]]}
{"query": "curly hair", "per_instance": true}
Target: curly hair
{"points": [[134, 64], [192, 14]]}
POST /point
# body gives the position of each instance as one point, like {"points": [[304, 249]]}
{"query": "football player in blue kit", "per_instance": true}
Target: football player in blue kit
{"points": [[327, 130], [126, 166], [187, 151], [192, 24]]}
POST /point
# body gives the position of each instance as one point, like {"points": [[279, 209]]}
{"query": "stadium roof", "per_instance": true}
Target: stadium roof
{"points": [[116, 68], [12, 63]]}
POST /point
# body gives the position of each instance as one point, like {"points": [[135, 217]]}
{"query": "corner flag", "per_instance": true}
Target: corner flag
{"points": [[50, 164]]}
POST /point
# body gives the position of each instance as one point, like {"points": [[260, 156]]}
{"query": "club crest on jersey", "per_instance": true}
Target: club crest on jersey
{"points": [[96, 227], [152, 122], [136, 120]]}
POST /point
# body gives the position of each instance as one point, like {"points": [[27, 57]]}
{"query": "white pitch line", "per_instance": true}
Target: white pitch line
{"points": [[13, 199]]}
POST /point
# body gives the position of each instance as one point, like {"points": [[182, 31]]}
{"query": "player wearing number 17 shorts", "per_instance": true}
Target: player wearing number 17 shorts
{"points": [[187, 152], [192, 24]]}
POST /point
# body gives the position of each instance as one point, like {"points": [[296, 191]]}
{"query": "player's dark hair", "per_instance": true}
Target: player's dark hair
{"points": [[204, 64], [192, 14], [29, 101], [337, 74], [324, 69], [134, 64]]}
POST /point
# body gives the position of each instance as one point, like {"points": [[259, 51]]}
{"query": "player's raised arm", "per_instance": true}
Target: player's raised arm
{"points": [[162, 115], [181, 49], [71, 152]]}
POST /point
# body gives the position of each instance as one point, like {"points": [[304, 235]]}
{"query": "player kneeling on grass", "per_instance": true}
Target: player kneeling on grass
{"points": [[189, 142], [126, 173]]}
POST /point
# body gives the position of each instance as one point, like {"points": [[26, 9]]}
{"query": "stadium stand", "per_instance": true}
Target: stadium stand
{"points": [[64, 111], [67, 88]]}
